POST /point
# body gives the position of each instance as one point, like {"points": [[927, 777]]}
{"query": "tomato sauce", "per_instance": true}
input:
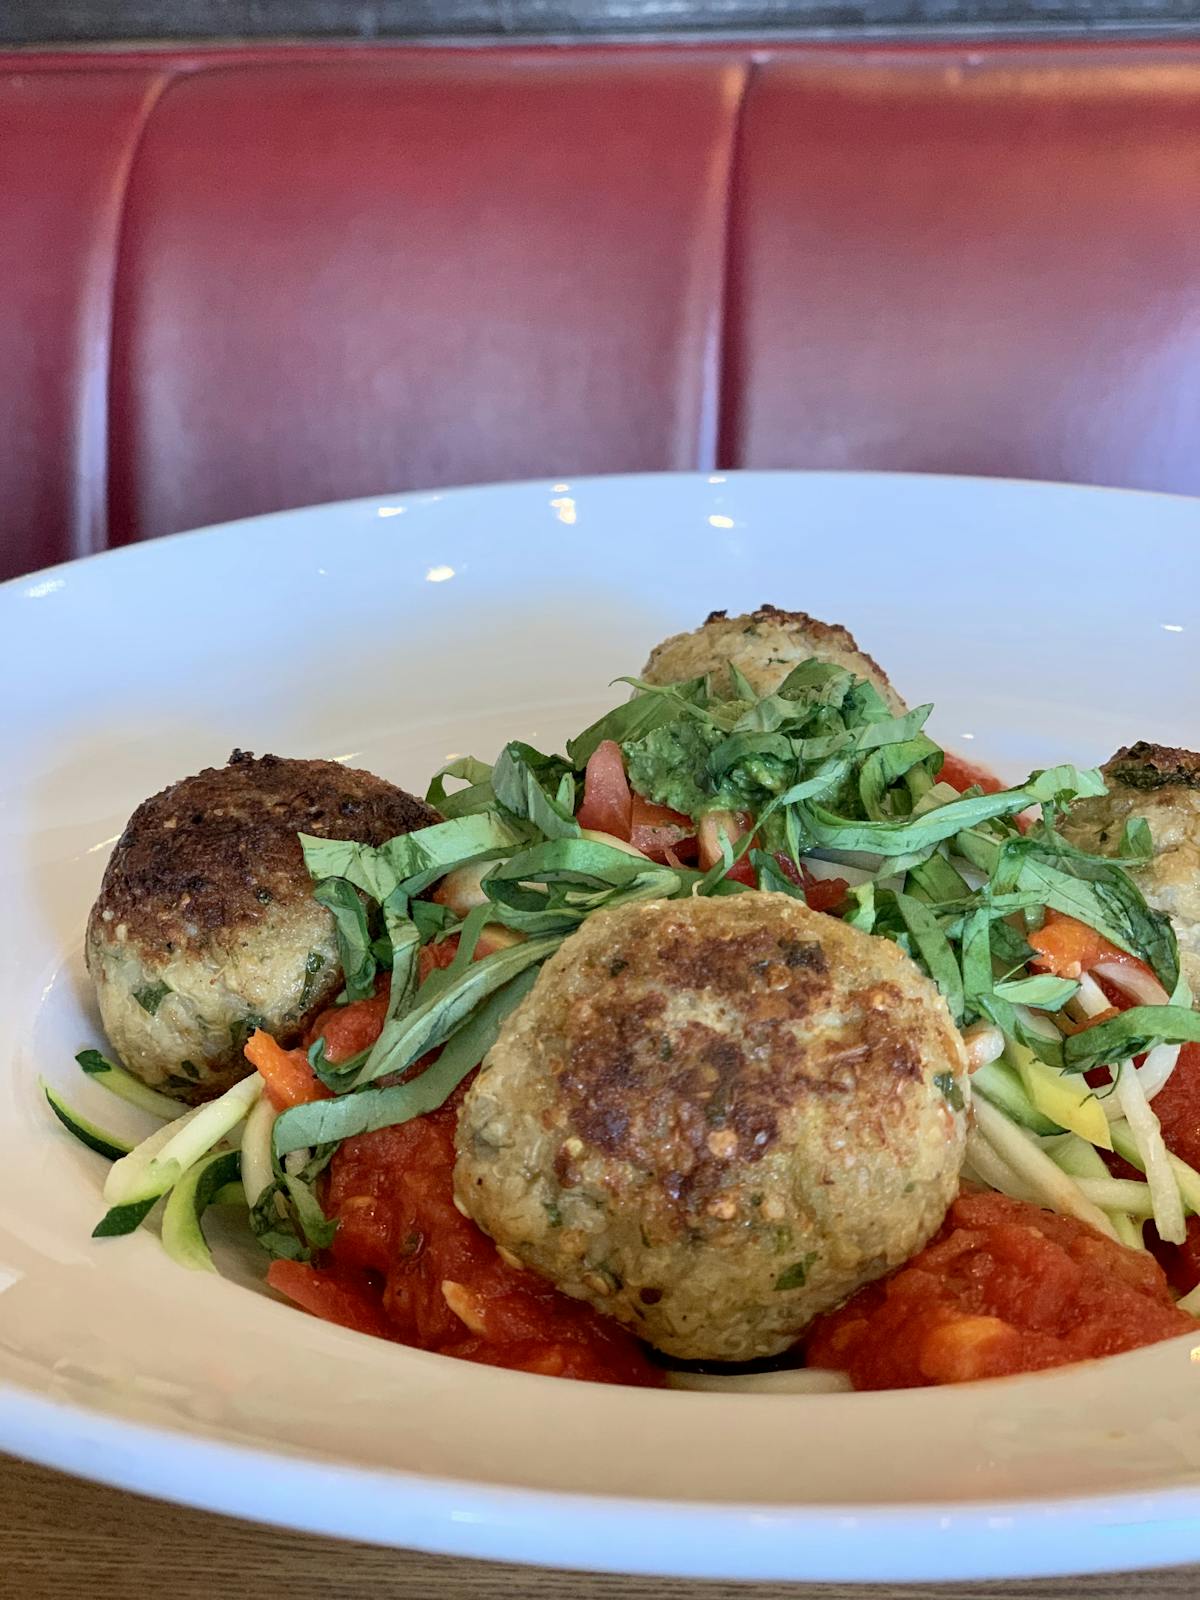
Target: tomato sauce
{"points": [[1003, 1288], [961, 774], [405, 1263]]}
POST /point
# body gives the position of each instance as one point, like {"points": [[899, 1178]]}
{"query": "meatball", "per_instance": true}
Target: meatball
{"points": [[1163, 786], [764, 645], [715, 1118], [206, 928]]}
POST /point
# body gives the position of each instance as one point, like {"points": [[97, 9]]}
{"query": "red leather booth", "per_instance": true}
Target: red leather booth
{"points": [[233, 280]]}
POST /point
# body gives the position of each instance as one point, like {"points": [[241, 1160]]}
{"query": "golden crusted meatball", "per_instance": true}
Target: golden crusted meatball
{"points": [[765, 645], [715, 1118], [206, 928], [1163, 786]]}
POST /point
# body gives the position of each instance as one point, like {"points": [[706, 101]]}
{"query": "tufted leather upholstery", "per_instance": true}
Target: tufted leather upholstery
{"points": [[235, 280]]}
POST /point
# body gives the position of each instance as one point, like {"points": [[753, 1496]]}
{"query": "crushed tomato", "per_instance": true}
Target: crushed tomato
{"points": [[1003, 1288]]}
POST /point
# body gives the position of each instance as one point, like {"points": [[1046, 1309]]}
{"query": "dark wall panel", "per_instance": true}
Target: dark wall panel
{"points": [[32, 21]]}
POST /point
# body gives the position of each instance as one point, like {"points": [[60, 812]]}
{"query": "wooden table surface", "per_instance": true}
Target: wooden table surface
{"points": [[65, 1540]]}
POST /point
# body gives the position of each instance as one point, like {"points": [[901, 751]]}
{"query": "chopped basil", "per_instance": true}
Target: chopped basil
{"points": [[92, 1062], [287, 1219], [948, 1086], [239, 1032], [456, 803], [369, 1108], [934, 949], [435, 1016], [796, 1276], [1131, 1033], [151, 995], [650, 708], [413, 861], [353, 934], [312, 967], [536, 788]]}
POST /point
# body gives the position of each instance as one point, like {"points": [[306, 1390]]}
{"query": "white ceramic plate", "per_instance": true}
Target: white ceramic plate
{"points": [[1047, 623]]}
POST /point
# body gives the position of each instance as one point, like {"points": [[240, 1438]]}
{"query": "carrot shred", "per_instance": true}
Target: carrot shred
{"points": [[289, 1079]]}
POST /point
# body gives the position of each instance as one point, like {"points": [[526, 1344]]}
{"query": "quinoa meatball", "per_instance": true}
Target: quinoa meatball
{"points": [[206, 928], [764, 645], [715, 1118], [1163, 786]]}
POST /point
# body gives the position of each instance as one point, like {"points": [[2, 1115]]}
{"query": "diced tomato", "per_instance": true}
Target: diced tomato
{"points": [[826, 894], [289, 1079], [960, 775], [349, 1029], [657, 829], [725, 825], [431, 957], [822, 894], [795, 873], [607, 800], [1068, 948]]}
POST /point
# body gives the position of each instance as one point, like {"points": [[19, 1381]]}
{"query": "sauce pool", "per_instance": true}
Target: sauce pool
{"points": [[1003, 1287]]}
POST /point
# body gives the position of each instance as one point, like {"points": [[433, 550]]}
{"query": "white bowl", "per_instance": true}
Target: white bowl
{"points": [[1047, 623]]}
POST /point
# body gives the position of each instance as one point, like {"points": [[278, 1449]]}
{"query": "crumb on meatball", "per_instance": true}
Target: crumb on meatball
{"points": [[1162, 785], [205, 926], [764, 645], [715, 1118]]}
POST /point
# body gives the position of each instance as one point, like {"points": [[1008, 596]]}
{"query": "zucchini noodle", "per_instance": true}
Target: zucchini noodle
{"points": [[993, 1171], [1026, 1158], [1147, 1135], [1118, 1194], [1082, 1161], [258, 1173]]}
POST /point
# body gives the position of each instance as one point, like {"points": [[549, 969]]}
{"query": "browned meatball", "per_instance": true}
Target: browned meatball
{"points": [[715, 1118], [205, 926], [764, 645], [1162, 785]]}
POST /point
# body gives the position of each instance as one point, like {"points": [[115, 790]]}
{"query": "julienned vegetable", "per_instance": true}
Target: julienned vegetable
{"points": [[191, 1197], [818, 779], [104, 1144], [126, 1087], [158, 1163]]}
